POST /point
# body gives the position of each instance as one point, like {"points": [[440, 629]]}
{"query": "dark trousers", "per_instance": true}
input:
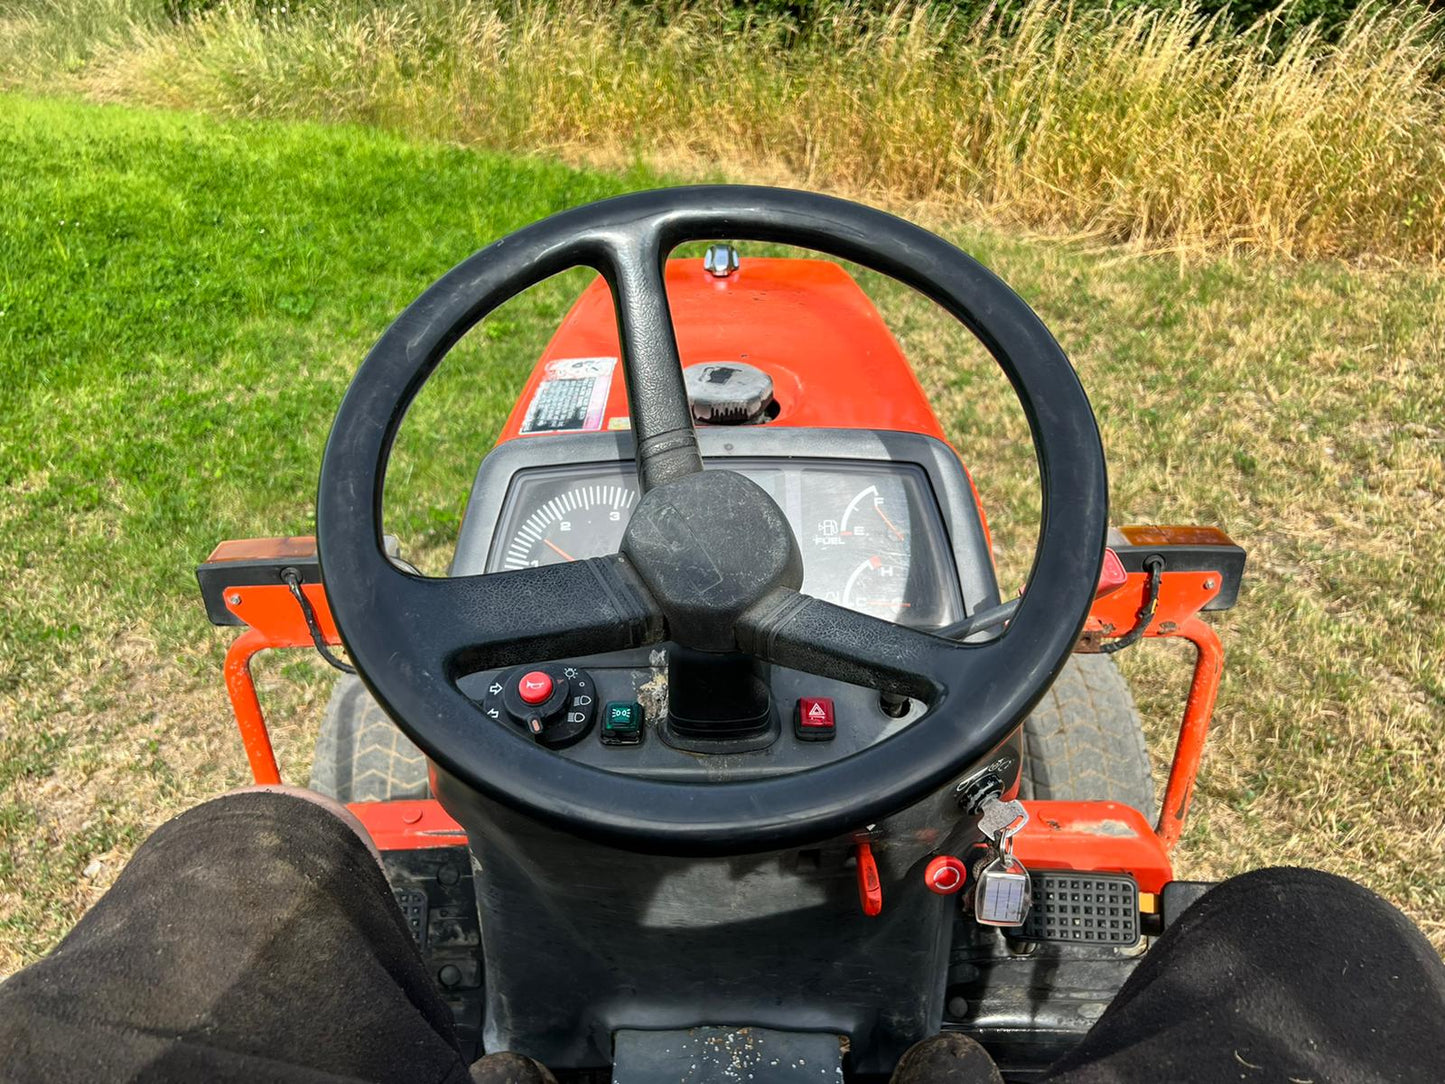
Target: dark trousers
{"points": [[255, 938], [1287, 975]]}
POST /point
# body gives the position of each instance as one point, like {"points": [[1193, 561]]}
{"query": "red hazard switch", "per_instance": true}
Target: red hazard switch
{"points": [[535, 687], [813, 719]]}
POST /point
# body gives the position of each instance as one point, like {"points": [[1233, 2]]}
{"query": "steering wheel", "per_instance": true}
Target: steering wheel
{"points": [[708, 560]]}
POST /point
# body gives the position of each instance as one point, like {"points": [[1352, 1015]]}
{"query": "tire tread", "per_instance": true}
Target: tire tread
{"points": [[361, 756], [1084, 741]]}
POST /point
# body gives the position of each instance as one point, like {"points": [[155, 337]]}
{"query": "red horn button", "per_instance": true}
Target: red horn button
{"points": [[534, 687]]}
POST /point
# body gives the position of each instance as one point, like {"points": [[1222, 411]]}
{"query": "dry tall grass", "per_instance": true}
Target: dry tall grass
{"points": [[1129, 125]]}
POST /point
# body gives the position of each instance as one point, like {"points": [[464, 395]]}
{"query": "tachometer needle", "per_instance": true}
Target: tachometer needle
{"points": [[558, 550]]}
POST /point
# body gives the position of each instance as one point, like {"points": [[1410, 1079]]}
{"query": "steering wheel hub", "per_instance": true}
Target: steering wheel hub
{"points": [[710, 546]]}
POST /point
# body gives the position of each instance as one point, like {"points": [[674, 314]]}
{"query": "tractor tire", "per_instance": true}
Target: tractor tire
{"points": [[361, 756], [1083, 741]]}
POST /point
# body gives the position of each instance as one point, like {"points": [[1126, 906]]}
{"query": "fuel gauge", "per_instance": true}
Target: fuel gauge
{"points": [[867, 517]]}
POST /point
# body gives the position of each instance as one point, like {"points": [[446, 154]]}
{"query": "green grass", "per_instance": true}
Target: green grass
{"points": [[182, 301], [181, 306]]}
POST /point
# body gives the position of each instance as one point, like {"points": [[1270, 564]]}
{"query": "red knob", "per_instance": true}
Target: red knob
{"points": [[870, 888], [535, 687], [945, 875]]}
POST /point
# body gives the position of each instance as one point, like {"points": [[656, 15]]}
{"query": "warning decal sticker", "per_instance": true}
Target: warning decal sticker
{"points": [[572, 396]]}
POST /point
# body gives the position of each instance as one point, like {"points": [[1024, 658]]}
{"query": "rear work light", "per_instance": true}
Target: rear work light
{"points": [[1183, 549], [253, 562]]}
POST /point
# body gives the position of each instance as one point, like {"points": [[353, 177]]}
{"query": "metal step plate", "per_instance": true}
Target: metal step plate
{"points": [[722, 1055], [1083, 908]]}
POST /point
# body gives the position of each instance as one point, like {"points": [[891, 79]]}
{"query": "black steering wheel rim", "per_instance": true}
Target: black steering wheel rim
{"points": [[410, 637]]}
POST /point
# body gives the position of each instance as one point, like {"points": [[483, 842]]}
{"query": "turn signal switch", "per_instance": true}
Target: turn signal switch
{"points": [[557, 705]]}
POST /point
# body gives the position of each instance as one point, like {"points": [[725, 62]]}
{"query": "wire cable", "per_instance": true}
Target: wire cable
{"points": [[293, 581], [1155, 564]]}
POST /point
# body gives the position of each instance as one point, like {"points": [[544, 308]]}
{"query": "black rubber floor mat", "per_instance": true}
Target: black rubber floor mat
{"points": [[1083, 908]]}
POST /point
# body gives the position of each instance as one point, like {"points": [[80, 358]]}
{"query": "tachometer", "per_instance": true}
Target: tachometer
{"points": [[585, 520]]}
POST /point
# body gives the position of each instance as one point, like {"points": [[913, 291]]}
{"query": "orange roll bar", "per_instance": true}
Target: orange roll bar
{"points": [[1198, 712]]}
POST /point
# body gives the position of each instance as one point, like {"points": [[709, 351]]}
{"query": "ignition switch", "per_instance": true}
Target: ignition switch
{"points": [[973, 792]]}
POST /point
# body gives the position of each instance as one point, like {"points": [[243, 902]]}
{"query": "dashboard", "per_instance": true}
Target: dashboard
{"points": [[870, 533], [887, 524]]}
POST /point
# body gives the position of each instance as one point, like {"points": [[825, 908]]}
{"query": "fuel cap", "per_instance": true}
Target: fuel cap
{"points": [[728, 392]]}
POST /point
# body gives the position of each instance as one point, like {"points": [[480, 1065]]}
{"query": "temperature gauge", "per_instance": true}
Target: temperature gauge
{"points": [[878, 586]]}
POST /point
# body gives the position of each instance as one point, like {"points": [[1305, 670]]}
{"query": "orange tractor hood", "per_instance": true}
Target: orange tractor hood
{"points": [[833, 361]]}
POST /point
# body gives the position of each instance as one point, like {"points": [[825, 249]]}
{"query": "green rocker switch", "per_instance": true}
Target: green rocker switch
{"points": [[621, 723]]}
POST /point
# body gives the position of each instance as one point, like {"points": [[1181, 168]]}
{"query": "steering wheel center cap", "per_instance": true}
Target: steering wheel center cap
{"points": [[710, 546]]}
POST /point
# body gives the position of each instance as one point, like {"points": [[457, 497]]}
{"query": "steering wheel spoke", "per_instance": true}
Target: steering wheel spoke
{"points": [[470, 623], [800, 632], [632, 263]]}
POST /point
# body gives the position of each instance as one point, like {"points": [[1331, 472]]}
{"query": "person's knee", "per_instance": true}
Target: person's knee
{"points": [[315, 799], [1290, 920], [256, 809], [226, 844], [1294, 894]]}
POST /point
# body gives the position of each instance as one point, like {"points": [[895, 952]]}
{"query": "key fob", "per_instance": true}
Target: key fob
{"points": [[1003, 895]]}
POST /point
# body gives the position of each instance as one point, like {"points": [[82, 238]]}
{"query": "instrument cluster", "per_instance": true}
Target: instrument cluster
{"points": [[870, 532]]}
